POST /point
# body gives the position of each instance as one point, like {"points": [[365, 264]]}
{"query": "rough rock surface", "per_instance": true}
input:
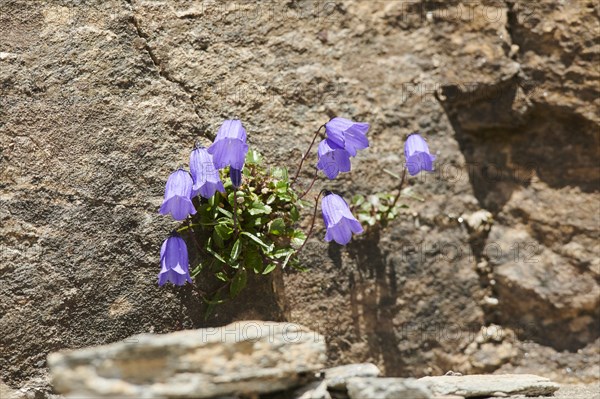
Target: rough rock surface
{"points": [[387, 388], [100, 100], [336, 377], [477, 386], [243, 357]]}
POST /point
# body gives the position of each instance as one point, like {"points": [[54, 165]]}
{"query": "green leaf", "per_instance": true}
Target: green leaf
{"points": [[223, 231], [280, 174], [294, 214], [386, 196], [271, 199], [222, 276], [306, 204], [225, 212], [236, 250], [280, 253], [298, 237], [225, 221], [238, 282], [219, 242], [270, 267], [277, 227], [358, 200], [300, 268], [196, 270], [253, 260], [287, 258], [214, 200], [253, 157], [281, 187], [257, 240], [213, 253], [285, 197], [258, 208]]}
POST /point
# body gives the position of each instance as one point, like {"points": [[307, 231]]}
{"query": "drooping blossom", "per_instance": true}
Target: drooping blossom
{"points": [[174, 263], [204, 174], [339, 221], [417, 155], [346, 134], [178, 194], [236, 177], [230, 148], [332, 159]]}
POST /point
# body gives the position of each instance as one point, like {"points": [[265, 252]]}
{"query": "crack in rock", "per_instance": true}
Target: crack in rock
{"points": [[156, 62]]}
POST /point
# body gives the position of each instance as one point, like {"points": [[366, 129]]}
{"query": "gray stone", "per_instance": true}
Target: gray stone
{"points": [[314, 390], [387, 388], [7, 392], [471, 386], [247, 357], [336, 377]]}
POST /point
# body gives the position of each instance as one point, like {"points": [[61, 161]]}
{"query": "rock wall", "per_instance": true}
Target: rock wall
{"points": [[100, 100]]}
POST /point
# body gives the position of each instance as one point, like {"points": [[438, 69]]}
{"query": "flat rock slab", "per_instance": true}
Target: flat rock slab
{"points": [[387, 388], [244, 357], [336, 377], [471, 386]]}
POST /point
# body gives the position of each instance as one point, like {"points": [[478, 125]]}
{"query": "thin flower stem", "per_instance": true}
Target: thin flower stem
{"points": [[387, 214], [306, 155], [311, 184], [190, 226], [184, 228], [235, 210], [312, 225]]}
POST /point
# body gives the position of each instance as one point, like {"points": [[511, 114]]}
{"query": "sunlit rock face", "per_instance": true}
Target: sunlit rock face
{"points": [[98, 98]]}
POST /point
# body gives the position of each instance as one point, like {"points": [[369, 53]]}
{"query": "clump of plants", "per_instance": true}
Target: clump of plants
{"points": [[242, 215]]}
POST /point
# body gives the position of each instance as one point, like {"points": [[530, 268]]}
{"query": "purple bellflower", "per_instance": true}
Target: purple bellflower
{"points": [[205, 177], [230, 148], [174, 263], [178, 194], [332, 159], [417, 155], [339, 221], [351, 136]]}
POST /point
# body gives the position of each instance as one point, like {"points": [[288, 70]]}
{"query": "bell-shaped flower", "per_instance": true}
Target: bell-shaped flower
{"points": [[174, 263], [178, 194], [417, 155], [230, 148], [332, 159], [206, 180], [339, 221], [351, 136], [236, 177]]}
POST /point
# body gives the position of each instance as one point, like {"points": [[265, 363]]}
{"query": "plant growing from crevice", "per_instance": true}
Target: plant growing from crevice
{"points": [[241, 215]]}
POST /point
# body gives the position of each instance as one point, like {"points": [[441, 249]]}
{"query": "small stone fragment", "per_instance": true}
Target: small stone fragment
{"points": [[387, 388], [471, 386]]}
